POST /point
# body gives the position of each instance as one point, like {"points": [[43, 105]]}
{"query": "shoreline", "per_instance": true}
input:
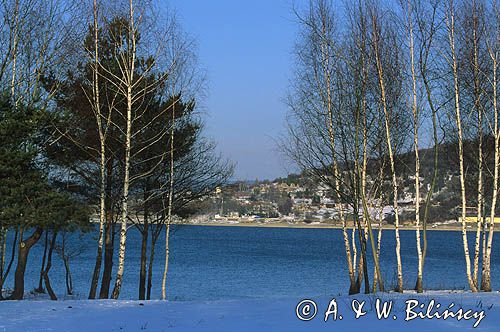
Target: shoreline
{"points": [[320, 226]]}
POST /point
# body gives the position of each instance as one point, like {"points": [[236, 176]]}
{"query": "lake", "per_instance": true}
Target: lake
{"points": [[220, 263]]}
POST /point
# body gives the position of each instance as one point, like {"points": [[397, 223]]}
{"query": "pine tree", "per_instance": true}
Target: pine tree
{"points": [[28, 201]]}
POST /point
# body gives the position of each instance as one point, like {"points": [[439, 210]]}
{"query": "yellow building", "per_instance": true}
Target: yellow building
{"points": [[474, 219]]}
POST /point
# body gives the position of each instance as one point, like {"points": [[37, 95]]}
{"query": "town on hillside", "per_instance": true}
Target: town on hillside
{"points": [[297, 200]]}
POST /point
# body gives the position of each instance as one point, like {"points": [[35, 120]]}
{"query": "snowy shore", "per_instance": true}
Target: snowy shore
{"points": [[463, 311]]}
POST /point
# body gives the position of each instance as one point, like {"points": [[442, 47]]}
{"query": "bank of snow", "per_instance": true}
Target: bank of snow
{"points": [[252, 315]]}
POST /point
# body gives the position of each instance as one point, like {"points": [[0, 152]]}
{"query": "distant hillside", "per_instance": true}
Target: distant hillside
{"points": [[446, 196]]}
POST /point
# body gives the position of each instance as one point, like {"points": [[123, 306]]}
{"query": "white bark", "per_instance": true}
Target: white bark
{"points": [[354, 249], [486, 273], [130, 68], [451, 34], [326, 67], [387, 120], [102, 161], [379, 243], [170, 201], [415, 147], [368, 222], [477, 106]]}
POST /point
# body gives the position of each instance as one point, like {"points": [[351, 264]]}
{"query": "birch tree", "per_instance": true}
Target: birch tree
{"points": [[332, 126], [186, 80], [144, 71], [135, 87], [367, 122], [409, 27], [127, 67], [102, 140], [427, 22], [450, 24], [493, 51], [317, 52], [478, 107], [377, 42]]}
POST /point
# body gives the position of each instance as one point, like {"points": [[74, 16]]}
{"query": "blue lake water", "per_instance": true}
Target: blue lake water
{"points": [[214, 263]]}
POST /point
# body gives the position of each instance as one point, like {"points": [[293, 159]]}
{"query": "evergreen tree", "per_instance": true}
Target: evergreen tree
{"points": [[28, 201]]}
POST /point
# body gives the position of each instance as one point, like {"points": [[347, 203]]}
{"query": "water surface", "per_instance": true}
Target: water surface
{"points": [[215, 263]]}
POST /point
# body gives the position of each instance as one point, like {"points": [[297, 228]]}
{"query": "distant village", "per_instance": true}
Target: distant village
{"points": [[296, 200]]}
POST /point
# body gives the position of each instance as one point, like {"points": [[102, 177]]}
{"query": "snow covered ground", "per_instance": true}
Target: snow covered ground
{"points": [[259, 315]]}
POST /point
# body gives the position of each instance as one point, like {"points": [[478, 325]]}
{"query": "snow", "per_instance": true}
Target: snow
{"points": [[245, 315]]}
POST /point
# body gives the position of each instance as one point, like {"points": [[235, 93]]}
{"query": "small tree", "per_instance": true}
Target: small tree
{"points": [[68, 248]]}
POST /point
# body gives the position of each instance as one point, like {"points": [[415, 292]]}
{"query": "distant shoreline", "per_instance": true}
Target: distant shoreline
{"points": [[320, 226]]}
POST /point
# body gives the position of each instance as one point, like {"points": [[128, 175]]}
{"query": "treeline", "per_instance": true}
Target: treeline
{"points": [[375, 82], [98, 120]]}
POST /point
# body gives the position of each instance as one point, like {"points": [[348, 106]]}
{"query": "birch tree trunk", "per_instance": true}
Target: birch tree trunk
{"points": [[351, 261], [144, 246], [3, 248], [419, 286], [379, 236], [326, 68], [130, 69], [478, 109], [451, 34], [351, 269], [124, 212], [354, 249], [368, 222], [426, 32], [102, 164], [486, 271], [169, 211], [366, 214], [380, 76]]}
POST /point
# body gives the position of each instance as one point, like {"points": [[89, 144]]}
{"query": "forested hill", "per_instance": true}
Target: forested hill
{"points": [[446, 194], [447, 162]]}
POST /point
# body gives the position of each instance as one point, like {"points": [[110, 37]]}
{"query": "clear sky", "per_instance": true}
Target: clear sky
{"points": [[245, 46]]}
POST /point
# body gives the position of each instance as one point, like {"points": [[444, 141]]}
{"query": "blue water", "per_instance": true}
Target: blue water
{"points": [[212, 263]]}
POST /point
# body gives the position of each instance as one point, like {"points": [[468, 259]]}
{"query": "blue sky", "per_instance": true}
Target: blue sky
{"points": [[246, 49]]}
